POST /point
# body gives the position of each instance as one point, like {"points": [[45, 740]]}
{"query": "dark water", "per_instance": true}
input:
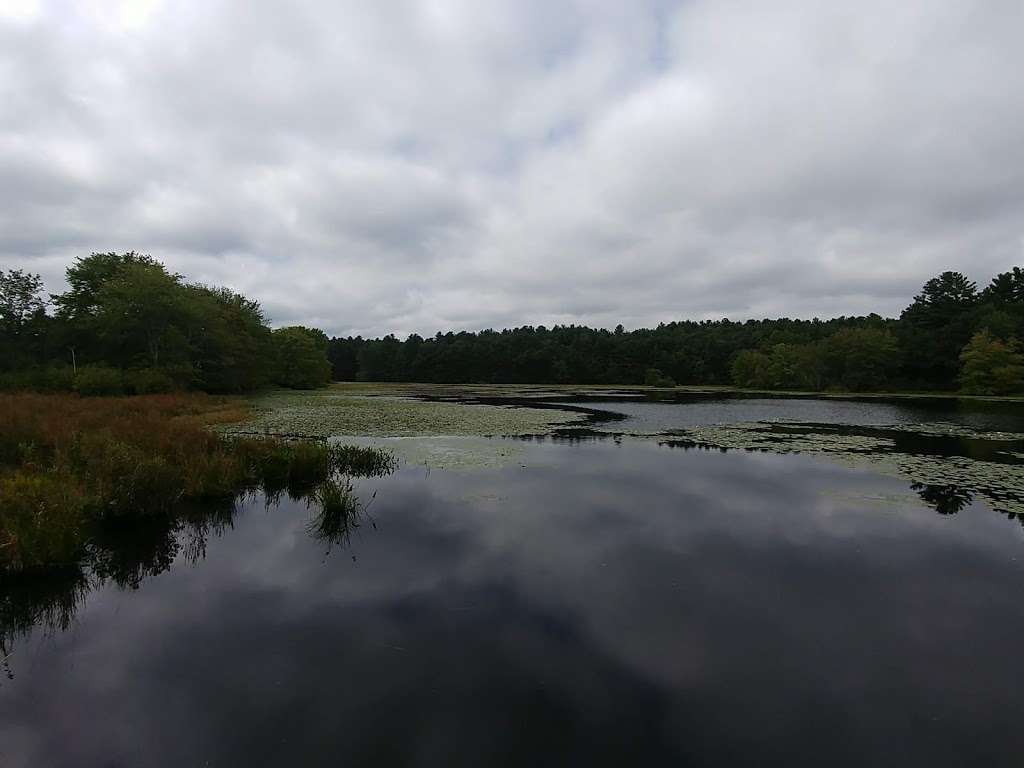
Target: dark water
{"points": [[594, 603]]}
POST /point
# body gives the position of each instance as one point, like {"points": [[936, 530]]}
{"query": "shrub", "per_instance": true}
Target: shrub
{"points": [[55, 378], [151, 381], [655, 378], [99, 380]]}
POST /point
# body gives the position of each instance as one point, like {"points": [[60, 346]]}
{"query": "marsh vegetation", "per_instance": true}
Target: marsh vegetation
{"points": [[70, 464], [578, 546]]}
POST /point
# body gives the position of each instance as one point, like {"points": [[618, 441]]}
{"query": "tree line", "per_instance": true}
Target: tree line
{"points": [[126, 324], [952, 336]]}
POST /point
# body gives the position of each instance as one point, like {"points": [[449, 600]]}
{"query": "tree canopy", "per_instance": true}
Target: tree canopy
{"points": [[918, 351], [128, 313], [126, 322]]}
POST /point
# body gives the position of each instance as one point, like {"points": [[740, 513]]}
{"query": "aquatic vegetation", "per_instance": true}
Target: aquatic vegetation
{"points": [[948, 465], [444, 452], [364, 461], [333, 412], [42, 518], [338, 513], [60, 476]]}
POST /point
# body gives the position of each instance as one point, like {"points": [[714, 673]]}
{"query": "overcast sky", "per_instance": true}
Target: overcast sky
{"points": [[398, 166]]}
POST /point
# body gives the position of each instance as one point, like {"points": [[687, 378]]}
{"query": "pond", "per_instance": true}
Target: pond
{"points": [[721, 582]]}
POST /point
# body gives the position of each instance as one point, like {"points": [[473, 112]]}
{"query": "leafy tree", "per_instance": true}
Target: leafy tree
{"points": [[231, 347], [991, 366], [796, 366], [935, 327], [300, 358], [1006, 288], [22, 318], [21, 299], [862, 358], [752, 369], [144, 317]]}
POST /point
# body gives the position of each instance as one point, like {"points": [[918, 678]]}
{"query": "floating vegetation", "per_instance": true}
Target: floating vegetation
{"points": [[332, 412], [449, 453], [948, 465]]}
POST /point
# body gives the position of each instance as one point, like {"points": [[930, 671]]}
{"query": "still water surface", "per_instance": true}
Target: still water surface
{"points": [[595, 602]]}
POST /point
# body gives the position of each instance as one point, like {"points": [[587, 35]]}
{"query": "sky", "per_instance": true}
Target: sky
{"points": [[399, 166]]}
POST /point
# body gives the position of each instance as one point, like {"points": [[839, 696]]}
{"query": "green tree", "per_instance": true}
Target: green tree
{"points": [[231, 347], [991, 366], [1006, 288], [752, 369], [21, 299], [935, 327], [144, 317], [300, 358], [22, 318], [796, 366], [862, 358]]}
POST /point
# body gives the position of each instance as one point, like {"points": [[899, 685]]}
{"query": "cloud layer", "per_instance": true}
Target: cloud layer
{"points": [[414, 166]]}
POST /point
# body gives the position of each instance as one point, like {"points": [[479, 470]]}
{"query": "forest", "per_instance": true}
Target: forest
{"points": [[128, 325], [951, 337]]}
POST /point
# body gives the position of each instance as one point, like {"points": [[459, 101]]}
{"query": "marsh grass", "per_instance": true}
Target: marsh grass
{"points": [[69, 464], [363, 462], [339, 512]]}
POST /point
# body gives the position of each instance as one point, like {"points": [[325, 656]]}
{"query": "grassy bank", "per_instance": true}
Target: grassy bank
{"points": [[69, 464]]}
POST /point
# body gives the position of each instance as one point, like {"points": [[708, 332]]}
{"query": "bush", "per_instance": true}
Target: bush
{"points": [[55, 378], [655, 378], [99, 380], [151, 381]]}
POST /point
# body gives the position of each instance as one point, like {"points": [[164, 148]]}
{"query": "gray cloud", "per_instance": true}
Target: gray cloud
{"points": [[413, 166]]}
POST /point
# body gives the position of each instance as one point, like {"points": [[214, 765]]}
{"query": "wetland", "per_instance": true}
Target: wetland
{"points": [[551, 575]]}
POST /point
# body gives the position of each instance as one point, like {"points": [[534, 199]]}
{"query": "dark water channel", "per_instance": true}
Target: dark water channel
{"points": [[594, 601]]}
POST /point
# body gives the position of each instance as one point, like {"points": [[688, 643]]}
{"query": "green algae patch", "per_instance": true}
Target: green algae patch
{"points": [[333, 412]]}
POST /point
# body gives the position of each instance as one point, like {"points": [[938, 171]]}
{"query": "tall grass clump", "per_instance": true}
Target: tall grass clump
{"points": [[364, 462], [42, 518], [338, 511]]}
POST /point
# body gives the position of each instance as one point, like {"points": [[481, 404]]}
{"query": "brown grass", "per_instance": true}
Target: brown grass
{"points": [[69, 461]]}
